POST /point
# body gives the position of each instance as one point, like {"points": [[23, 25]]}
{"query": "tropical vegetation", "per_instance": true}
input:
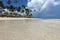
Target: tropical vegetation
{"points": [[11, 11]]}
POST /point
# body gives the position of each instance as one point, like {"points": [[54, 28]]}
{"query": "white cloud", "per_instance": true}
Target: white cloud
{"points": [[56, 3], [41, 4]]}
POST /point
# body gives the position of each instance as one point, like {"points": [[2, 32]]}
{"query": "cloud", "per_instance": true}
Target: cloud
{"points": [[41, 4], [35, 4], [45, 8], [56, 3]]}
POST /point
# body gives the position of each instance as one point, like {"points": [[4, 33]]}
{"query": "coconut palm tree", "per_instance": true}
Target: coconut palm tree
{"points": [[1, 8], [11, 8], [16, 1], [8, 2], [28, 14], [23, 10], [19, 9], [27, 11], [1, 4], [23, 6]]}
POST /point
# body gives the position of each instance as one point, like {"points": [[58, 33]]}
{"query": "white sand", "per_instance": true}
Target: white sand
{"points": [[29, 29]]}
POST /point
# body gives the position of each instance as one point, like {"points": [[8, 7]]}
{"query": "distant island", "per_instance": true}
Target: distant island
{"points": [[11, 11]]}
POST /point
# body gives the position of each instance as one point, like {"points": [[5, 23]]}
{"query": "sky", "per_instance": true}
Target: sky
{"points": [[43, 8], [20, 2]]}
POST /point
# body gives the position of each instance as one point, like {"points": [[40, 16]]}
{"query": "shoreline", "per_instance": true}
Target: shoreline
{"points": [[9, 18], [22, 18]]}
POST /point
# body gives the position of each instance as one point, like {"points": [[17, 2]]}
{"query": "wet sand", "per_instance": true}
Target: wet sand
{"points": [[29, 29]]}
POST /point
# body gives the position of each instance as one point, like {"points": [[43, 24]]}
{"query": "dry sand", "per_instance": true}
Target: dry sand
{"points": [[29, 29]]}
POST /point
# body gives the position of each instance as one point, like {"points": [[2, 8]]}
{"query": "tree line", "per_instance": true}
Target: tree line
{"points": [[12, 8]]}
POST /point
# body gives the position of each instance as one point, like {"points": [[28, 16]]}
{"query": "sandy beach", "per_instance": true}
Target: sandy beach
{"points": [[29, 29]]}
